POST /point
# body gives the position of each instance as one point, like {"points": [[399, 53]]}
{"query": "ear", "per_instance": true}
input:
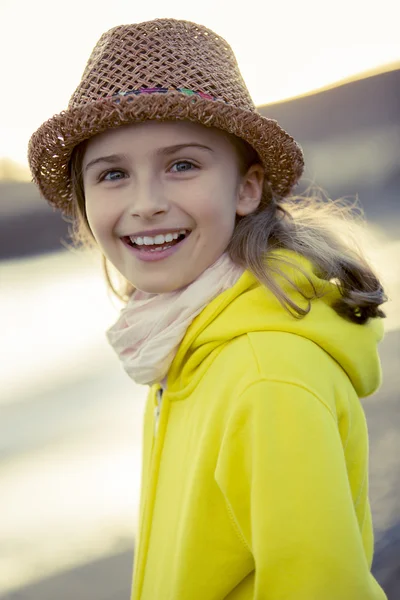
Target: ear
{"points": [[250, 190]]}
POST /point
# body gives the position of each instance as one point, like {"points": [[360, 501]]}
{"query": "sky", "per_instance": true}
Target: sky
{"points": [[284, 48]]}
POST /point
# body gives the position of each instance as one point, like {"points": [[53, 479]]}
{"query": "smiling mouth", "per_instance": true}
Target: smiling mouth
{"points": [[156, 247]]}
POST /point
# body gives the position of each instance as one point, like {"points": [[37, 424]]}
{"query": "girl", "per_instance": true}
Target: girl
{"points": [[252, 319]]}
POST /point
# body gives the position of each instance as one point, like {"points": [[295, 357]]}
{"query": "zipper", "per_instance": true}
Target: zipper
{"points": [[150, 496], [157, 409]]}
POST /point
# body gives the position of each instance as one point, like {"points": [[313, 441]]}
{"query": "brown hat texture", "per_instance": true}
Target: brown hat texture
{"points": [[163, 69]]}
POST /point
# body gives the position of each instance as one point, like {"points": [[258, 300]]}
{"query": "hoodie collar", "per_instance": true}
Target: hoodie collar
{"points": [[249, 306]]}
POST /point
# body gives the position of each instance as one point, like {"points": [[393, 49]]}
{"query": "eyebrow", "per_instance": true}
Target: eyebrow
{"points": [[115, 158]]}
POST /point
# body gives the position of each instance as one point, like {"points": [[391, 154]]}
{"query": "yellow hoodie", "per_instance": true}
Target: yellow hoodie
{"points": [[255, 470]]}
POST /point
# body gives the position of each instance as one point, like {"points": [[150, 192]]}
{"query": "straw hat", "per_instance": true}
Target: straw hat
{"points": [[161, 69]]}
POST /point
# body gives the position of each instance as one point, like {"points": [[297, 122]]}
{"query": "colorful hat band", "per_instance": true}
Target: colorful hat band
{"points": [[161, 90]]}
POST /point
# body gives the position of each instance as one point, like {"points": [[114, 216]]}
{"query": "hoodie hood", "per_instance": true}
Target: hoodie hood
{"points": [[251, 307]]}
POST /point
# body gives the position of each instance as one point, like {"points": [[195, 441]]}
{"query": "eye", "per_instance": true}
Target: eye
{"points": [[104, 175], [182, 166]]}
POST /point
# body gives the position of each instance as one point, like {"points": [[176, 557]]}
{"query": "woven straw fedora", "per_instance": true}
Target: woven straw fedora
{"points": [[162, 69]]}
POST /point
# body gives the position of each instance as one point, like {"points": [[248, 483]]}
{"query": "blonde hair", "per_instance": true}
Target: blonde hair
{"points": [[312, 226]]}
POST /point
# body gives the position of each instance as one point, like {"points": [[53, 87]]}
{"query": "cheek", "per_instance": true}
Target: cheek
{"points": [[219, 218], [100, 215], [215, 209]]}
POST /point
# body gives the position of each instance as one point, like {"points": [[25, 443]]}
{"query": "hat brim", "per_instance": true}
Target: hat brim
{"points": [[51, 146]]}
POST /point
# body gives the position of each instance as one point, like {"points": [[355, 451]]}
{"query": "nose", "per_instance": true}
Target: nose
{"points": [[148, 201]]}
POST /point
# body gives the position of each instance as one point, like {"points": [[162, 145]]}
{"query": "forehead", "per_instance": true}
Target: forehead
{"points": [[154, 134]]}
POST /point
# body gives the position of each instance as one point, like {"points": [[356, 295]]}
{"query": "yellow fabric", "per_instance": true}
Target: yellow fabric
{"points": [[255, 485]]}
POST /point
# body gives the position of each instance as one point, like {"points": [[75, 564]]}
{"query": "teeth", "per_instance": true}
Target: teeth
{"points": [[158, 239]]}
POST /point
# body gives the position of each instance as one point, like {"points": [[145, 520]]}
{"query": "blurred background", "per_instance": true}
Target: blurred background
{"points": [[70, 419]]}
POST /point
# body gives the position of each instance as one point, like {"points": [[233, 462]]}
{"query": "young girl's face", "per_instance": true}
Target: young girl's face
{"points": [[164, 177]]}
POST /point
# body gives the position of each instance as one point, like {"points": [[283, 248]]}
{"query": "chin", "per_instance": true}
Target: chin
{"points": [[158, 287]]}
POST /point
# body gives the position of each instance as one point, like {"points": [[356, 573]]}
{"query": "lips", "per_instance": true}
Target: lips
{"points": [[148, 246], [155, 252]]}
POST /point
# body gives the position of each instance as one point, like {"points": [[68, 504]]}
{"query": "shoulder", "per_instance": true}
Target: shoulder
{"points": [[286, 359], [286, 354]]}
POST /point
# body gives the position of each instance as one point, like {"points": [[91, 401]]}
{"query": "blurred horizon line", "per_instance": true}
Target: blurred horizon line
{"points": [[12, 170], [358, 76]]}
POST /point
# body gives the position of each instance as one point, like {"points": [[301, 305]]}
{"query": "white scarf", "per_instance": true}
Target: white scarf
{"points": [[151, 326]]}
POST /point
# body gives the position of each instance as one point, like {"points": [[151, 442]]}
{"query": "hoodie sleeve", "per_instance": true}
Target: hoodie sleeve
{"points": [[282, 471]]}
